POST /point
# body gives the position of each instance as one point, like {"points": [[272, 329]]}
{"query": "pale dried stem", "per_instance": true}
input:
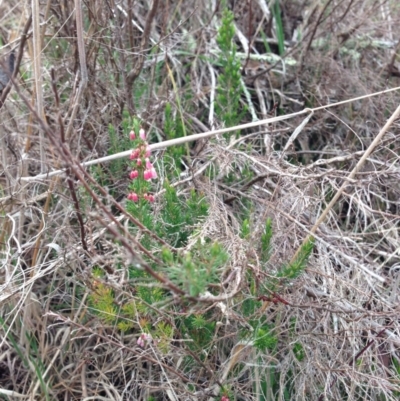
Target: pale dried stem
{"points": [[194, 137]]}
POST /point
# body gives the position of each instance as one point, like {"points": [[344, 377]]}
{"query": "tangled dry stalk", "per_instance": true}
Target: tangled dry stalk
{"points": [[340, 162]]}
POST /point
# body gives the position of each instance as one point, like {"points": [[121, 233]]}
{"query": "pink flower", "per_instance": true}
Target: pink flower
{"points": [[149, 165], [135, 154], [149, 198], [149, 174], [144, 340], [224, 398], [140, 342], [139, 162], [132, 135], [134, 174], [145, 150], [133, 197], [142, 134]]}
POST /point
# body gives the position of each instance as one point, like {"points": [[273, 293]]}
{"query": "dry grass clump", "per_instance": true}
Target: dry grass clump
{"points": [[333, 330]]}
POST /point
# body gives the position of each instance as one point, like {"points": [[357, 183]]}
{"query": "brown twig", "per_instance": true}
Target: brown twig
{"points": [[22, 42], [139, 61]]}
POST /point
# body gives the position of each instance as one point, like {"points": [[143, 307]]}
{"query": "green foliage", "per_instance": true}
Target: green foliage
{"points": [[276, 12], [298, 351], [245, 229], [249, 306], [199, 322], [141, 210], [194, 271], [229, 87], [265, 42], [149, 295], [164, 333], [266, 241], [197, 206], [264, 339], [226, 32], [173, 128], [226, 394], [292, 270], [124, 325], [200, 330], [102, 300], [175, 223], [118, 141], [178, 216], [177, 219]]}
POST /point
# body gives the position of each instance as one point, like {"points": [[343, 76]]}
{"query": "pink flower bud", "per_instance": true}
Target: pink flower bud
{"points": [[144, 340], [133, 197], [134, 174], [139, 162], [149, 166], [149, 198], [142, 134], [147, 152], [135, 154], [150, 173], [132, 135], [147, 175]]}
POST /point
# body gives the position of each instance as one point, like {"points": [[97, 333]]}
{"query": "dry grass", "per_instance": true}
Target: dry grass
{"points": [[342, 313]]}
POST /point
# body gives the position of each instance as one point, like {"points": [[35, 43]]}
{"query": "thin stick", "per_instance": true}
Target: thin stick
{"points": [[190, 138], [37, 52], [82, 65]]}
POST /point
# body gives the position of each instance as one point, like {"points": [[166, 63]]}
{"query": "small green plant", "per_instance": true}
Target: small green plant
{"points": [[229, 88], [194, 271], [266, 241], [200, 329], [263, 338], [292, 270], [179, 216], [173, 129], [164, 333], [245, 229], [118, 143], [175, 223], [276, 12]]}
